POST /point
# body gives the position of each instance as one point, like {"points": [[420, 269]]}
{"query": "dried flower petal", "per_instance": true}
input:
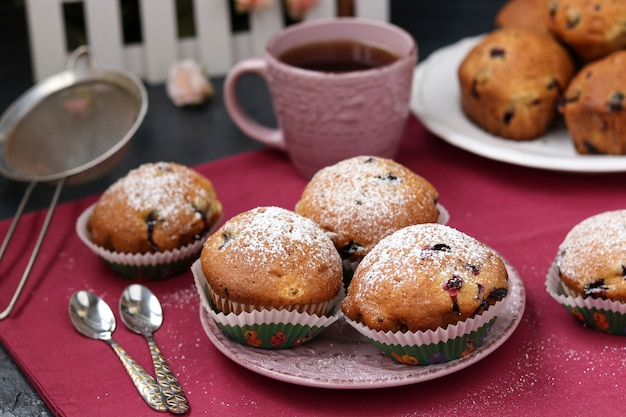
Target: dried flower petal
{"points": [[244, 6], [297, 9], [187, 84]]}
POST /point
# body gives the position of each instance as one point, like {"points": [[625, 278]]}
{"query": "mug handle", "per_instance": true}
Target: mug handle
{"points": [[268, 136]]}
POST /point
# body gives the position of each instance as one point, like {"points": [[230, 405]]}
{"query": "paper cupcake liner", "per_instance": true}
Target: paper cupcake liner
{"points": [[444, 216], [266, 329], [221, 304], [433, 346], [607, 316], [142, 267]]}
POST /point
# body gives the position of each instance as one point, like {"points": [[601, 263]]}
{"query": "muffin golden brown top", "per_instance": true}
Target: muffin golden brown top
{"points": [[594, 106], [424, 277], [591, 28], [360, 200], [154, 208], [271, 256], [511, 81], [592, 258]]}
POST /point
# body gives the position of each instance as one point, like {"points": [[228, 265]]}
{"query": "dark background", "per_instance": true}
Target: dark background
{"points": [[191, 135]]}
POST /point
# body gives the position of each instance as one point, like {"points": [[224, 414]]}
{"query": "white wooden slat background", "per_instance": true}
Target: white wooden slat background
{"points": [[215, 46]]}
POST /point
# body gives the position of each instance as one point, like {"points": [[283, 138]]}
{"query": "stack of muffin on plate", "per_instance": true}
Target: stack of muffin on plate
{"points": [[549, 57], [421, 291]]}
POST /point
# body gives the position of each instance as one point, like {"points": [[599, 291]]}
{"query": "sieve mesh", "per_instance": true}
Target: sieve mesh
{"points": [[70, 128]]}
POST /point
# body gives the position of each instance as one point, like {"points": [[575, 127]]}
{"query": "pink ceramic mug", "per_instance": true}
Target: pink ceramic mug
{"points": [[324, 117]]}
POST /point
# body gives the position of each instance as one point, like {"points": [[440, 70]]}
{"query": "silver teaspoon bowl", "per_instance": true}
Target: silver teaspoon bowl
{"points": [[141, 312], [93, 318]]}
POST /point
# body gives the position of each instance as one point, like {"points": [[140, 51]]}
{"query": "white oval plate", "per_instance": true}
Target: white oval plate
{"points": [[435, 101], [341, 358]]}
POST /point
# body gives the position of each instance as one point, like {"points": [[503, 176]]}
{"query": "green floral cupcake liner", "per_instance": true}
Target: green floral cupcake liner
{"points": [[433, 346], [435, 353], [141, 267], [607, 316], [266, 329]]}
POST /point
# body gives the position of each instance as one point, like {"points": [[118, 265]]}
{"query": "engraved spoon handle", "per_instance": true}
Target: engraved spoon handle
{"points": [[175, 399], [145, 384]]}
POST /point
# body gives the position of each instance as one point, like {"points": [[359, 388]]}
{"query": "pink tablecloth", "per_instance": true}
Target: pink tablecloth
{"points": [[550, 365]]}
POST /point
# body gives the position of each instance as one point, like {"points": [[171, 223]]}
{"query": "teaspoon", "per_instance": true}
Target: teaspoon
{"points": [[93, 318], [142, 313]]}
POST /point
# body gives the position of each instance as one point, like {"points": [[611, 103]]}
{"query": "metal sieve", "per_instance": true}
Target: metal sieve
{"points": [[70, 128]]}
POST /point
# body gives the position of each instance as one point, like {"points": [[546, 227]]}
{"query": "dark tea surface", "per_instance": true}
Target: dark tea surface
{"points": [[338, 56]]}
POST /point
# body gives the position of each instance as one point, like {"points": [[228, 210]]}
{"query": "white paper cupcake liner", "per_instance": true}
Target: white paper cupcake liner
{"points": [[444, 216], [433, 346], [267, 328], [142, 267], [222, 304], [607, 316]]}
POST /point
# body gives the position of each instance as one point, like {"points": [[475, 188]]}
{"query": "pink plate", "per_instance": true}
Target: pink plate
{"points": [[341, 358]]}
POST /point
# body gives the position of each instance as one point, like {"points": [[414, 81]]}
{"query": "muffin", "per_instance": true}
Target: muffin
{"points": [[525, 14], [152, 221], [270, 267], [511, 81], [587, 276], [593, 107], [360, 200], [592, 29], [592, 258], [422, 280]]}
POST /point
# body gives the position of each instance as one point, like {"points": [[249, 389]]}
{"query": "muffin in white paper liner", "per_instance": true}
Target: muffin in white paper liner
{"points": [[142, 267], [433, 346], [604, 315], [267, 328]]}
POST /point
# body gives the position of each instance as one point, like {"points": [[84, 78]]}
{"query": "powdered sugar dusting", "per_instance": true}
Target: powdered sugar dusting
{"points": [[405, 249], [601, 237], [268, 234], [156, 185], [348, 198]]}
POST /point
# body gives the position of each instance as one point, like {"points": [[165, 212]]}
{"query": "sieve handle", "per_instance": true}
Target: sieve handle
{"points": [[77, 53], [55, 198]]}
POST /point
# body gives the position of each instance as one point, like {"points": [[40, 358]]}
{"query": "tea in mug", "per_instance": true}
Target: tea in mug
{"points": [[338, 56]]}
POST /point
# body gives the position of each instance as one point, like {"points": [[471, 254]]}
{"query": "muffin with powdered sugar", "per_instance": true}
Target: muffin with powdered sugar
{"points": [[270, 278], [588, 275], [427, 294], [152, 222], [360, 200]]}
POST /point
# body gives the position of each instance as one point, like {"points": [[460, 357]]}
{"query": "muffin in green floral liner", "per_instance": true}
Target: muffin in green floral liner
{"points": [[143, 267], [151, 223], [266, 329], [607, 316], [588, 274], [269, 264], [427, 294]]}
